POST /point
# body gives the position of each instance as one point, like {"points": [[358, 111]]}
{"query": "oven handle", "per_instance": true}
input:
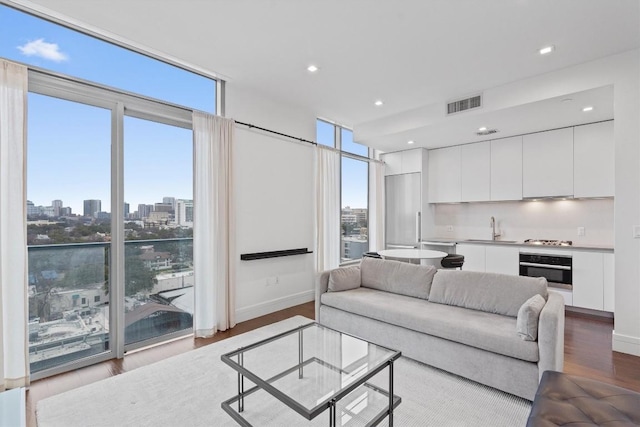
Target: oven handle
{"points": [[554, 267]]}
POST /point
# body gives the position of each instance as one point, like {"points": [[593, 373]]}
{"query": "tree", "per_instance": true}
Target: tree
{"points": [[137, 277]]}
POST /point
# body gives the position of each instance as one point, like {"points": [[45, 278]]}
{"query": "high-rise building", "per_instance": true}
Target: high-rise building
{"points": [[171, 201], [57, 205], [184, 212], [92, 207], [126, 209], [48, 211], [65, 211], [144, 210], [103, 215], [163, 207], [32, 210]]}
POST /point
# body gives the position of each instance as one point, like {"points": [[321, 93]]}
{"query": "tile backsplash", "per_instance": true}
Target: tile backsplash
{"points": [[547, 219]]}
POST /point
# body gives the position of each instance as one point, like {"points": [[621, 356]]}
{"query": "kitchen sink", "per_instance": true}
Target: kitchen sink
{"points": [[490, 241]]}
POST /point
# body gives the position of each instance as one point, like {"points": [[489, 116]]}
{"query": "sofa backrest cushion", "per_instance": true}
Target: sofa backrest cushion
{"points": [[490, 292], [344, 278], [397, 277]]}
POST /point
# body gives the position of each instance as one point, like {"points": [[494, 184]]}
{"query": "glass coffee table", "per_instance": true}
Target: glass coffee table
{"points": [[312, 369]]}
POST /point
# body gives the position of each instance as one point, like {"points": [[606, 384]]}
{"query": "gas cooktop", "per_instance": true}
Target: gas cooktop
{"points": [[549, 242]]}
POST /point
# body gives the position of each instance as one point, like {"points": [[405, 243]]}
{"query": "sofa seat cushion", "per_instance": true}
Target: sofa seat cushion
{"points": [[487, 331]]}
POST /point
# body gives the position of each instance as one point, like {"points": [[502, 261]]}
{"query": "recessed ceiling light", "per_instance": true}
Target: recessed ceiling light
{"points": [[312, 68], [567, 100], [378, 103], [482, 129], [586, 109], [547, 50], [410, 142]]}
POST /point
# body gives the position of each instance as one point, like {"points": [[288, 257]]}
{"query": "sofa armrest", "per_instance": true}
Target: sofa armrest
{"points": [[322, 285], [551, 334]]}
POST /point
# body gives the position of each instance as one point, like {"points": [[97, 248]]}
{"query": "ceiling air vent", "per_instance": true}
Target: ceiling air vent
{"points": [[464, 104]]}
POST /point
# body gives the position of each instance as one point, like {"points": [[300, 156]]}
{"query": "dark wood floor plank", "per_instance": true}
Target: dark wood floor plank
{"points": [[587, 353]]}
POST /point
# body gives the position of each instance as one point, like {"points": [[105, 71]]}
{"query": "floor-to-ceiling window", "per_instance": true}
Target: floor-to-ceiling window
{"points": [[109, 189], [354, 190]]}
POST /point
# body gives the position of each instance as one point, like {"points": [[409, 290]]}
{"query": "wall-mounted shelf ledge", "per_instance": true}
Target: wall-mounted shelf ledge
{"points": [[274, 254]]}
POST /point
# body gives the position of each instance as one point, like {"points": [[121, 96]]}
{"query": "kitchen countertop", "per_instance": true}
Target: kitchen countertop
{"points": [[579, 246]]}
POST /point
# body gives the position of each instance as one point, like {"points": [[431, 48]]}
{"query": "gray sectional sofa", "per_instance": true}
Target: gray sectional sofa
{"points": [[500, 330]]}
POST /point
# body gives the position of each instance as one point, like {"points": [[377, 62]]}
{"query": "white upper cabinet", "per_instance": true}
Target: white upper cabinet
{"points": [[506, 169], [444, 175], [392, 163], [475, 172], [547, 163], [400, 162], [412, 160], [594, 160]]}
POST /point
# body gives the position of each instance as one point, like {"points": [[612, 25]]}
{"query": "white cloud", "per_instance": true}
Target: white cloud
{"points": [[41, 48]]}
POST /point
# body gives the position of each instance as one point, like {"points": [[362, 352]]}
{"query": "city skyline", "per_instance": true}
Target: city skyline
{"points": [[80, 212], [77, 212]]}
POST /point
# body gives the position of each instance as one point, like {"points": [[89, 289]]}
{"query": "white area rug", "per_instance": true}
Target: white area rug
{"points": [[186, 390]]}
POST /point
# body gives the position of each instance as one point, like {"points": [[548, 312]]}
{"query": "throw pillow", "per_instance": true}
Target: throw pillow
{"points": [[345, 278], [527, 321]]}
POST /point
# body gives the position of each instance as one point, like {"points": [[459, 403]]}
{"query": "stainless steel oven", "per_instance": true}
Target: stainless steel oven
{"points": [[557, 269]]}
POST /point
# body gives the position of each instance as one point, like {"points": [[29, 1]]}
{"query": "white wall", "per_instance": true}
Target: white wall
{"points": [[274, 204], [549, 219]]}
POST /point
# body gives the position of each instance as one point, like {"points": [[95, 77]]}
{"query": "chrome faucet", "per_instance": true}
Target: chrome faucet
{"points": [[494, 236]]}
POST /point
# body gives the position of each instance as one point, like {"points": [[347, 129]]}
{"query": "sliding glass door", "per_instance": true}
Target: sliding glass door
{"points": [[158, 225], [68, 231], [110, 223]]}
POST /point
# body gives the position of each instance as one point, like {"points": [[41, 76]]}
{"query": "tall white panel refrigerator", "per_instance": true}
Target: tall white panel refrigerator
{"points": [[403, 210]]}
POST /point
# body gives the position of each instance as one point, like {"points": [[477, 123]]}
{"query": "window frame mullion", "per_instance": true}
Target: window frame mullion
{"points": [[116, 276]]}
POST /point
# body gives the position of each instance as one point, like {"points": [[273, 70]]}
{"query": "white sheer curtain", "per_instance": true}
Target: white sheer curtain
{"points": [[328, 207], [376, 206], [14, 360], [213, 224]]}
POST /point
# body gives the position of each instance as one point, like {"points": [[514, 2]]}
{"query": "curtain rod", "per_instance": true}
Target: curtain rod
{"points": [[250, 126], [355, 156]]}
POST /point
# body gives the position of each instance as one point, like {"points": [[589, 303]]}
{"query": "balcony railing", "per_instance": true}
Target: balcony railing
{"points": [[69, 296]]}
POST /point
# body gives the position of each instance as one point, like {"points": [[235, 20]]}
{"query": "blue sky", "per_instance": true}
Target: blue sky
{"points": [[69, 143]]}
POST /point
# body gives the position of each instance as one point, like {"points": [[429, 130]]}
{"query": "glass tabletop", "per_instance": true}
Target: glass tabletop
{"points": [[310, 366]]}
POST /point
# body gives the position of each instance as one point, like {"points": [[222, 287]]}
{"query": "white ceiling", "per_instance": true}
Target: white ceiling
{"points": [[409, 53], [551, 113]]}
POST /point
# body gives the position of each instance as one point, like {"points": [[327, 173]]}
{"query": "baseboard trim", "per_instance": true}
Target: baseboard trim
{"points": [[257, 310], [626, 344]]}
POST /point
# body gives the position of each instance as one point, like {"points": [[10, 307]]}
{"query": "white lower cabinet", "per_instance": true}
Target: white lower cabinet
{"points": [[566, 294], [588, 285], [593, 283], [608, 266], [474, 256], [502, 259], [489, 258], [593, 272]]}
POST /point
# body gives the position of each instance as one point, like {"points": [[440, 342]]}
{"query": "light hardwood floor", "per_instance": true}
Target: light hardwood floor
{"points": [[587, 353]]}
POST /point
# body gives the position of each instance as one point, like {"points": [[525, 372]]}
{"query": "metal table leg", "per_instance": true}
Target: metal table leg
{"points": [[240, 384]]}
